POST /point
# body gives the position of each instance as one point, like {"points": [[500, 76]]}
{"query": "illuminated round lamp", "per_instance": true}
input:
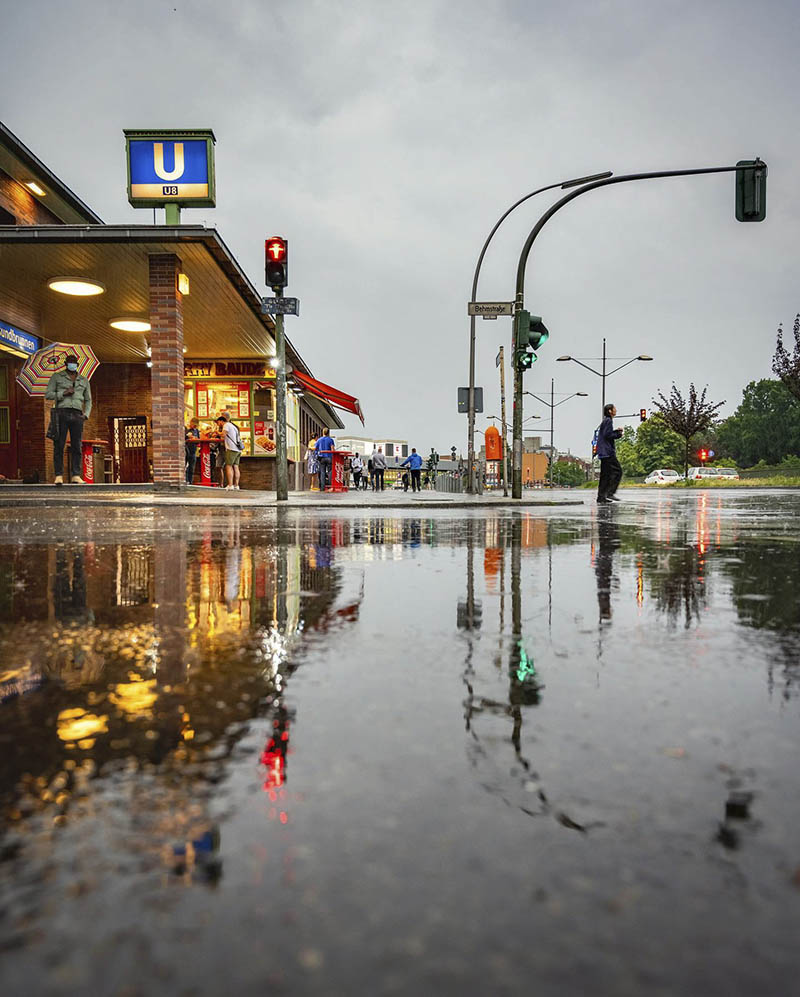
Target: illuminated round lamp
{"points": [[274, 362], [81, 287], [129, 323]]}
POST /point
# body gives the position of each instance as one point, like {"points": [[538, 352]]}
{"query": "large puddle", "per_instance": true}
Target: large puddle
{"points": [[451, 753]]}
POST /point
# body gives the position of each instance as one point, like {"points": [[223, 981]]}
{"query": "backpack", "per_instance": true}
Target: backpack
{"points": [[594, 441], [238, 439]]}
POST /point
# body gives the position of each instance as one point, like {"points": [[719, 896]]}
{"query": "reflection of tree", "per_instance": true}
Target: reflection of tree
{"points": [[764, 591], [680, 583]]}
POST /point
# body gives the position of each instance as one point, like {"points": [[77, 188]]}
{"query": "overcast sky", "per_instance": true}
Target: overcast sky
{"points": [[385, 139]]}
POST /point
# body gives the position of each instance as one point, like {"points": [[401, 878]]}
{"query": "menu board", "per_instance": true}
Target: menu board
{"points": [[264, 437]]}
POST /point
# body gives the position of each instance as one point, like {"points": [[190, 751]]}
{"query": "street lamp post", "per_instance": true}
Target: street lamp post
{"points": [[552, 405], [603, 373], [564, 185]]}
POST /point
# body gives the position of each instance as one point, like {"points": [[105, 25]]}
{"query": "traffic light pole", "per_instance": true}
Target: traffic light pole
{"points": [[503, 419], [282, 469], [519, 301]]}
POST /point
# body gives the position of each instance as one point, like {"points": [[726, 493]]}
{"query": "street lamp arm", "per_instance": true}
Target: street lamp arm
{"points": [[586, 366], [614, 371], [661, 174], [538, 399], [575, 395]]}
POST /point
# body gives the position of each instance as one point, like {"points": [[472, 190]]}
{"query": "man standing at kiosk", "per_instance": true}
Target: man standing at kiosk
{"points": [[325, 448], [73, 404]]}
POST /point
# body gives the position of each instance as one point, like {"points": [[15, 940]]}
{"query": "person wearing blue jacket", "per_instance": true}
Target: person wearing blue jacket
{"points": [[414, 462], [610, 470]]}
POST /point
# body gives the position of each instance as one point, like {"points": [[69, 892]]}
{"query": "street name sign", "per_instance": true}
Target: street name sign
{"points": [[490, 309], [280, 306]]}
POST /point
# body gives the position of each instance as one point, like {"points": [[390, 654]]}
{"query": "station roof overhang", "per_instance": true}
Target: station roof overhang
{"points": [[221, 314]]}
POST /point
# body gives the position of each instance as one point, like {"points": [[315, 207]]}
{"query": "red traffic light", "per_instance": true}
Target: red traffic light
{"points": [[702, 456], [642, 415], [275, 249]]}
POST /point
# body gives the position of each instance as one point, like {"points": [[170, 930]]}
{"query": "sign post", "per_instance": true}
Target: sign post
{"points": [[502, 365]]}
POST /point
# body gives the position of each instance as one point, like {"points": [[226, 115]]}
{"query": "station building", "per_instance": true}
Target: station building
{"points": [[174, 321]]}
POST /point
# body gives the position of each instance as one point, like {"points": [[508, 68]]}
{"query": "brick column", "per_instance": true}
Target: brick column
{"points": [[166, 344]]}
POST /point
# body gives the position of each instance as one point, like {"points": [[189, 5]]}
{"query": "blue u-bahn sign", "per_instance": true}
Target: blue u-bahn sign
{"points": [[170, 167]]}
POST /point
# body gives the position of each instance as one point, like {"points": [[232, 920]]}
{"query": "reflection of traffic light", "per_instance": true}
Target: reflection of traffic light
{"points": [[529, 334], [642, 415], [276, 250]]}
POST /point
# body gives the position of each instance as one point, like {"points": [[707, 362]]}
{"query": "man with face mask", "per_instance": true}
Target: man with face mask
{"points": [[73, 403]]}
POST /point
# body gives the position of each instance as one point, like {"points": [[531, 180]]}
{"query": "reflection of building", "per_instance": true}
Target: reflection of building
{"points": [[200, 344]]}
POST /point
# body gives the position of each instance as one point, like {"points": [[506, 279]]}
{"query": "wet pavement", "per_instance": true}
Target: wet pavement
{"points": [[440, 752]]}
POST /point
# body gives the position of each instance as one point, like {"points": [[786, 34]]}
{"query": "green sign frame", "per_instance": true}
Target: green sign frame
{"points": [[182, 200]]}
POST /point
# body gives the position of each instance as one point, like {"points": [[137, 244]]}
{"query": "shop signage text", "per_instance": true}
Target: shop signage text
{"points": [[227, 368], [15, 339], [171, 166]]}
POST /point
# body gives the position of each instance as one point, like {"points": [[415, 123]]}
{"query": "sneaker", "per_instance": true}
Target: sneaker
{"points": [[603, 501], [236, 488], [78, 481], [228, 488], [613, 498], [59, 479]]}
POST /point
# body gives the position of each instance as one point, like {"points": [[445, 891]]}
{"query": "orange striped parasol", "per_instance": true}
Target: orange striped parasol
{"points": [[39, 368]]}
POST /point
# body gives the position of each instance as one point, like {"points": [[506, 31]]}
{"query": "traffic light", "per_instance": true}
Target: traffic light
{"points": [[642, 415], [702, 455], [751, 191], [276, 250], [529, 334]]}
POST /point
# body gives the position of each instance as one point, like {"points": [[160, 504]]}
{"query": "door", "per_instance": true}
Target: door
{"points": [[9, 465], [128, 437]]}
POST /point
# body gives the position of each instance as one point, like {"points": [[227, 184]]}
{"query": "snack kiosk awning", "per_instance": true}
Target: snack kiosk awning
{"points": [[333, 396]]}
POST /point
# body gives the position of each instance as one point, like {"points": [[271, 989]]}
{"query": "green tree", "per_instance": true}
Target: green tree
{"points": [[765, 426], [657, 445], [628, 455], [688, 416], [567, 473], [786, 365]]}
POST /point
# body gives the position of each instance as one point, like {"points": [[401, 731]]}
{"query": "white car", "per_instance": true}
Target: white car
{"points": [[662, 476], [728, 472], [695, 473]]}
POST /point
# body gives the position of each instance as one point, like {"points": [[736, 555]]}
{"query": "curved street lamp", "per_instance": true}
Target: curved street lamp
{"points": [[564, 185], [554, 405], [603, 373]]}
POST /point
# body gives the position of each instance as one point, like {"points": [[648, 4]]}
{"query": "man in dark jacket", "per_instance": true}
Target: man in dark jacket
{"points": [[610, 470]]}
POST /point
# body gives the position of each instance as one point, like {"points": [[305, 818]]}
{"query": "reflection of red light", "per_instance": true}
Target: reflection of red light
{"points": [[275, 762]]}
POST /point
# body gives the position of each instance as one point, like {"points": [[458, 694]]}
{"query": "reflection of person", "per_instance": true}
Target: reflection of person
{"points": [[414, 462], [604, 563], [69, 587], [73, 404], [378, 467], [610, 470], [192, 433], [325, 447]]}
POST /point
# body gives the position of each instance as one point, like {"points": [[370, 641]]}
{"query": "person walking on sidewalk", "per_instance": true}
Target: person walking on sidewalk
{"points": [[325, 447], [414, 462], [610, 470], [357, 467], [73, 404], [378, 467]]}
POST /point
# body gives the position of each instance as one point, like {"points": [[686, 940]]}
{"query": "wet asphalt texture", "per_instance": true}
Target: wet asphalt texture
{"points": [[484, 751]]}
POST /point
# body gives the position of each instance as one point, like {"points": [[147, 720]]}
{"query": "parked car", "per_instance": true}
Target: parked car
{"points": [[662, 476], [728, 472], [695, 473]]}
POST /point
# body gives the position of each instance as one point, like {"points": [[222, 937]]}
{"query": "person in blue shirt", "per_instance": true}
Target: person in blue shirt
{"points": [[325, 447], [610, 470], [414, 462]]}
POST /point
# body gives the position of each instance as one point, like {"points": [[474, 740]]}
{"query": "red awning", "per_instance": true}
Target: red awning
{"points": [[339, 399]]}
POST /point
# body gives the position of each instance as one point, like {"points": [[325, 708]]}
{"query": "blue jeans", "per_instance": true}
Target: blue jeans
{"points": [[324, 473]]}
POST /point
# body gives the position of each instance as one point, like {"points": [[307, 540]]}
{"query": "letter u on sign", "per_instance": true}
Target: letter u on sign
{"points": [[158, 161]]}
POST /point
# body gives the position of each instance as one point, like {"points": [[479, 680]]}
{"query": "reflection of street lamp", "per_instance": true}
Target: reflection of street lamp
{"points": [[554, 405], [603, 374]]}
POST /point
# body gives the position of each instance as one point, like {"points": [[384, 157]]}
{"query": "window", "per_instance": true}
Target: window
{"points": [[390, 449], [405, 450]]}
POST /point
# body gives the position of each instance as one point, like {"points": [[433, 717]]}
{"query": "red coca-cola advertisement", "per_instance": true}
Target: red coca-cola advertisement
{"points": [[205, 464], [88, 464]]}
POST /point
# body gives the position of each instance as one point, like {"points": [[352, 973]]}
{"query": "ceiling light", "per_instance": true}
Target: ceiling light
{"points": [[80, 286], [34, 187], [129, 323]]}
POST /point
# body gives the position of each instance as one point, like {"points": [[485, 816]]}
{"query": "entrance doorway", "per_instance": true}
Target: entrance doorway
{"points": [[128, 438], [9, 458]]}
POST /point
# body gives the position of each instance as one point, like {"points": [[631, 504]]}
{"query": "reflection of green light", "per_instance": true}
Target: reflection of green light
{"points": [[526, 668]]}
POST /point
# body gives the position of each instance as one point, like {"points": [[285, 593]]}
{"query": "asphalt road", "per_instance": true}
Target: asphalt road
{"points": [[467, 751]]}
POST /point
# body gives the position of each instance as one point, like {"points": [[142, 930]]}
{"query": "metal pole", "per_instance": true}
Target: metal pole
{"points": [[603, 375], [516, 481], [471, 484], [282, 484], [552, 417], [503, 419]]}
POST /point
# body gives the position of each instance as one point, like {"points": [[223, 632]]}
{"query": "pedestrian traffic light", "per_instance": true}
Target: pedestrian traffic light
{"points": [[642, 415], [529, 334], [751, 190], [276, 250]]}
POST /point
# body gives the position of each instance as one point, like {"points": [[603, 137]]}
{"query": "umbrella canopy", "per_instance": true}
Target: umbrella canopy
{"points": [[38, 369]]}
